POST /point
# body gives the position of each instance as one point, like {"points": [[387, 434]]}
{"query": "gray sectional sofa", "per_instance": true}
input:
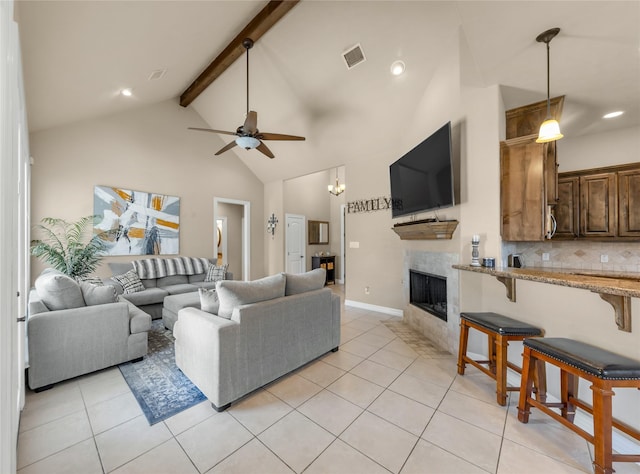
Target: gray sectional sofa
{"points": [[152, 271], [255, 333], [77, 328]]}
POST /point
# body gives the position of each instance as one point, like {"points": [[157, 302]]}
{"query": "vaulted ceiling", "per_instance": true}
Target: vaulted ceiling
{"points": [[77, 56]]}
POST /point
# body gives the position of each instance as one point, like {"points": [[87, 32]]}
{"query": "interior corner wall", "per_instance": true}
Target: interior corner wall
{"points": [[235, 215], [145, 149], [375, 253]]}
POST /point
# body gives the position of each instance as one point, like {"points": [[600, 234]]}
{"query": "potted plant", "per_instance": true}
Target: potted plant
{"points": [[65, 248]]}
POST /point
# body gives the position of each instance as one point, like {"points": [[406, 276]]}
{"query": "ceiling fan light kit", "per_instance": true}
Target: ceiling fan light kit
{"points": [[249, 137], [550, 128]]}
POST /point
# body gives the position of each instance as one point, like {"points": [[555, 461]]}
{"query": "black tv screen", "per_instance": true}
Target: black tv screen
{"points": [[422, 180]]}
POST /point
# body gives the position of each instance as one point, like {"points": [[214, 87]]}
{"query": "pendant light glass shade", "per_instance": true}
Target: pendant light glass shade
{"points": [[550, 128], [549, 131]]}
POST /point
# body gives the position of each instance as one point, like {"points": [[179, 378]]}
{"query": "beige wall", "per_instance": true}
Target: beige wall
{"points": [[147, 149]]}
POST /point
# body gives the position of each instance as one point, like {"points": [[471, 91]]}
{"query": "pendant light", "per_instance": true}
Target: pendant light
{"points": [[550, 128]]}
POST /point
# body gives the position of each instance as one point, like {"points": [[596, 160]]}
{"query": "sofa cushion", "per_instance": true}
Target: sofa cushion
{"points": [[197, 278], [179, 289], [59, 291], [172, 280], [209, 300], [98, 294], [130, 282], [303, 282], [209, 285], [216, 272], [118, 268], [235, 293], [146, 297]]}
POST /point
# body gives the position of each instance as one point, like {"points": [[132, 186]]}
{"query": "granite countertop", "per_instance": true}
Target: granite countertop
{"points": [[609, 282]]}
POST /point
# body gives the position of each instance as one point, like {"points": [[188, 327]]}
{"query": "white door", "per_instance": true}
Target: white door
{"points": [[295, 244]]}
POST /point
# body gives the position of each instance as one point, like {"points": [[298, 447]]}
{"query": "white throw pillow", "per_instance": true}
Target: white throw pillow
{"points": [[208, 300], [233, 293], [98, 294], [59, 291], [303, 282]]}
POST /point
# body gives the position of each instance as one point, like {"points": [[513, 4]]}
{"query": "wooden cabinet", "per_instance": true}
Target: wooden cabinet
{"points": [[601, 203], [629, 203], [598, 199], [328, 263], [566, 209], [528, 188]]}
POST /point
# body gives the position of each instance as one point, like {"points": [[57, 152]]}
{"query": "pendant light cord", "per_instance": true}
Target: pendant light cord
{"points": [[248, 81], [548, 82]]}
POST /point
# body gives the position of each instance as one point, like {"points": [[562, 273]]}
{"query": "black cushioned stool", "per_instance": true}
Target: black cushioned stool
{"points": [[605, 370], [500, 330]]}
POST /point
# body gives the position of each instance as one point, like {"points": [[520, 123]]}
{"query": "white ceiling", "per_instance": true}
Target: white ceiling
{"points": [[77, 55]]}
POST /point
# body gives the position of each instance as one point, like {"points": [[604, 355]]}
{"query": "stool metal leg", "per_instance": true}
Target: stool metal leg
{"points": [[462, 351]]}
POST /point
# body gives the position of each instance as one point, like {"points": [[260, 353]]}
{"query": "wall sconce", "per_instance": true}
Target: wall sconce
{"points": [[338, 188], [272, 222]]}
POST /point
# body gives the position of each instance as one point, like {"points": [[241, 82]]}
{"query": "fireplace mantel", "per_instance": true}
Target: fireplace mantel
{"points": [[426, 230]]}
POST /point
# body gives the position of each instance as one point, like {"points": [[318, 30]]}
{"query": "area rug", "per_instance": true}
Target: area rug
{"points": [[161, 389]]}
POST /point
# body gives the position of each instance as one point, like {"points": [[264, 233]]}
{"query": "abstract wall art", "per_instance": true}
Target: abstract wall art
{"points": [[136, 222]]}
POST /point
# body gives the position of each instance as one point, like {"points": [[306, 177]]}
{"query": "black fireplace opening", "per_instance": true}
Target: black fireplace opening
{"points": [[429, 293]]}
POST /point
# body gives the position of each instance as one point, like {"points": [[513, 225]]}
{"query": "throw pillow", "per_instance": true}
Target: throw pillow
{"points": [[303, 282], [98, 294], [208, 300], [90, 279], [59, 291], [130, 282], [233, 293], [216, 272]]}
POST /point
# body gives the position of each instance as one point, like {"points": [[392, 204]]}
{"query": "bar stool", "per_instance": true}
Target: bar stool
{"points": [[603, 369], [500, 330]]}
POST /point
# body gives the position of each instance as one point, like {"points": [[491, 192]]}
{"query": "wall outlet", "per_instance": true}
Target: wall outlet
{"points": [[604, 258], [366, 290], [545, 257], [354, 245]]}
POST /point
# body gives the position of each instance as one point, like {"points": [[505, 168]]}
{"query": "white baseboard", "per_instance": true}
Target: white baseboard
{"points": [[584, 420], [373, 307]]}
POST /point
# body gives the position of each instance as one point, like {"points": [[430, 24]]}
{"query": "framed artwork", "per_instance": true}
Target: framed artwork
{"points": [[138, 223]]}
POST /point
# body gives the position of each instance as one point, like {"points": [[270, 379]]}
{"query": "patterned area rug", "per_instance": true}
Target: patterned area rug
{"points": [[161, 389]]}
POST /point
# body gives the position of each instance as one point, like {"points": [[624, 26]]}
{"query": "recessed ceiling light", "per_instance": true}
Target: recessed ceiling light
{"points": [[397, 67], [617, 113], [128, 92]]}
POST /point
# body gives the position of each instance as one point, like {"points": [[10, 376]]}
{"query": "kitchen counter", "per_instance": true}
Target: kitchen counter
{"points": [[616, 288]]}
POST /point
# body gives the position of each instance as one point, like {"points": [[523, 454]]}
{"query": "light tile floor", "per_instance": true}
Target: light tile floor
{"points": [[387, 401]]}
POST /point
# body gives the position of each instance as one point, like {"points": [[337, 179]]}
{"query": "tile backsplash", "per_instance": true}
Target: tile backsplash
{"points": [[585, 255]]}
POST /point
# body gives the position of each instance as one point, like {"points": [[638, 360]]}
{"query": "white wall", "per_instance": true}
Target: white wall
{"points": [[148, 149]]}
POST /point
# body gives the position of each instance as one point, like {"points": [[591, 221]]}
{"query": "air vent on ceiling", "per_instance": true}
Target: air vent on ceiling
{"points": [[157, 74], [354, 56]]}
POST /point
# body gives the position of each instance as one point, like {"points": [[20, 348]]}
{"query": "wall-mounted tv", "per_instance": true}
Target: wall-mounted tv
{"points": [[422, 180]]}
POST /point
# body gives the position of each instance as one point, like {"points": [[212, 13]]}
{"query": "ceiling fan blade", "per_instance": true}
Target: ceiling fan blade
{"points": [[251, 123], [263, 148], [228, 147], [224, 132], [278, 136]]}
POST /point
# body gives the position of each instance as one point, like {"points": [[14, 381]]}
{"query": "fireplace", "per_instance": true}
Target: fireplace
{"points": [[428, 292]]}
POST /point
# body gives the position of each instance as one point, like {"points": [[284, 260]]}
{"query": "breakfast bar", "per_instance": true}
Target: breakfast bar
{"points": [[616, 288]]}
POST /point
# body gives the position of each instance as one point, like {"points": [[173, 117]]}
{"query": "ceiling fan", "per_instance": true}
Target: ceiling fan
{"points": [[249, 136]]}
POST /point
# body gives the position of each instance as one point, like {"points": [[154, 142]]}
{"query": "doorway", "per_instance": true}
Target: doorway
{"points": [[239, 239], [295, 244]]}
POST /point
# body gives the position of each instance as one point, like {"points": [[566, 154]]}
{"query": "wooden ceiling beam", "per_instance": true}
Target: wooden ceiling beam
{"points": [[260, 24]]}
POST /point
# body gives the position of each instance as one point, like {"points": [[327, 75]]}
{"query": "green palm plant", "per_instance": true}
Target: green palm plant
{"points": [[63, 245]]}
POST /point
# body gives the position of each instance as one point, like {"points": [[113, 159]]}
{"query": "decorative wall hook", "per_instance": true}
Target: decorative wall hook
{"points": [[272, 222]]}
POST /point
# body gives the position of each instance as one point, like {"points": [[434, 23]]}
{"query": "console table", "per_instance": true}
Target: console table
{"points": [[616, 288], [328, 263]]}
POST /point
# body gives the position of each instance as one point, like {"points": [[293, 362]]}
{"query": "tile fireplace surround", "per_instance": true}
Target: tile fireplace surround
{"points": [[444, 334]]}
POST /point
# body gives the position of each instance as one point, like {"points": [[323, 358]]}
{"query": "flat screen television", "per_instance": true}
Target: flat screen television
{"points": [[422, 180]]}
